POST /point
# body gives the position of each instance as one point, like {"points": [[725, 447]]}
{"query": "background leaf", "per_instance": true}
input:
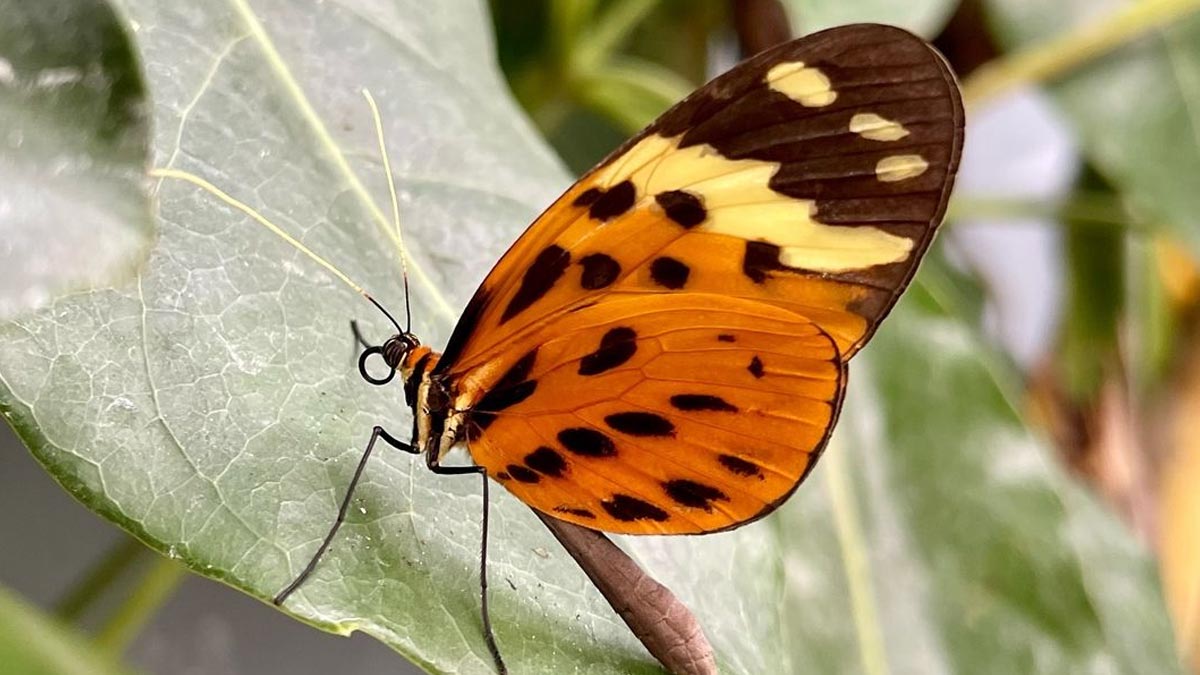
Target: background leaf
{"points": [[1136, 110], [212, 407], [74, 210], [972, 540], [33, 644]]}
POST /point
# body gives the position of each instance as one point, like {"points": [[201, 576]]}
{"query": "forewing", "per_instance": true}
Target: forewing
{"points": [[659, 414], [810, 177]]}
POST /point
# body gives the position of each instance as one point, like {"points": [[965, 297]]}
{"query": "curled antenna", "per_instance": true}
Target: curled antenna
{"points": [[387, 169]]}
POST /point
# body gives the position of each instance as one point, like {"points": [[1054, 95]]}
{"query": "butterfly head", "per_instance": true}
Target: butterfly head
{"points": [[397, 353], [396, 349]]}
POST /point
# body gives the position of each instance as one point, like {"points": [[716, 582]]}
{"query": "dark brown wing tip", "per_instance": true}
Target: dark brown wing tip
{"points": [[919, 47], [954, 93]]}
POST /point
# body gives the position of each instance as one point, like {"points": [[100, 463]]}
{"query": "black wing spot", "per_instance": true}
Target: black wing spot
{"points": [[511, 389], [669, 273], [519, 372], [682, 207], [627, 509], [701, 402], [499, 399], [546, 270], [575, 511], [503, 475], [755, 367], [599, 271], [739, 466], [726, 337], [588, 197], [760, 258], [587, 442], [522, 474], [692, 494], [546, 461], [616, 347], [640, 424], [614, 202]]}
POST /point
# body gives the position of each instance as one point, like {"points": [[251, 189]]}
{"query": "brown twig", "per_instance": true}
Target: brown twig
{"points": [[664, 625], [760, 24], [966, 41]]}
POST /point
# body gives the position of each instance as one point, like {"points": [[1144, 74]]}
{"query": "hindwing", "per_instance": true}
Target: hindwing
{"points": [[660, 414]]}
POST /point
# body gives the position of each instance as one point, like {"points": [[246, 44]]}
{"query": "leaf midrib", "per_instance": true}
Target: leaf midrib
{"points": [[291, 85]]}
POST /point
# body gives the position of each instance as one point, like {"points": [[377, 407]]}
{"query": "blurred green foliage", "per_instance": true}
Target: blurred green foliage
{"points": [[593, 73], [32, 643], [74, 149]]}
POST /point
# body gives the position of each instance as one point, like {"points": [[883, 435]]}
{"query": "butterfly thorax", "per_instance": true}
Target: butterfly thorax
{"points": [[436, 425]]}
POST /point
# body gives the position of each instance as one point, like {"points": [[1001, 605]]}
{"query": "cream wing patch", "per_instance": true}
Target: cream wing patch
{"points": [[876, 128], [739, 202], [900, 167], [803, 84]]}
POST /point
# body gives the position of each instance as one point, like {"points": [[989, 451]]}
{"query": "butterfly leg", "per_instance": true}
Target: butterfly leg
{"points": [[376, 434], [489, 636]]}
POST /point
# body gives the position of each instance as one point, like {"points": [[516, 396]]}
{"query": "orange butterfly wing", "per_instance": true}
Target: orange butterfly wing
{"points": [[823, 205], [662, 414], [803, 186]]}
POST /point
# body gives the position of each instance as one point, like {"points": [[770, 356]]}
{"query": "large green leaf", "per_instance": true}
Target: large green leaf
{"points": [[74, 210], [924, 17], [34, 644], [212, 407], [1136, 110]]}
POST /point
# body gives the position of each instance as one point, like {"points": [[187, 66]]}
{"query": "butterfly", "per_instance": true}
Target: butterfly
{"points": [[665, 349]]}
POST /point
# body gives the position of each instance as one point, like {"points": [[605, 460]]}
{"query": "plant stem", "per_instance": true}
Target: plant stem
{"points": [[612, 26], [1081, 209], [99, 579], [567, 19], [154, 588], [848, 524], [1055, 57]]}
